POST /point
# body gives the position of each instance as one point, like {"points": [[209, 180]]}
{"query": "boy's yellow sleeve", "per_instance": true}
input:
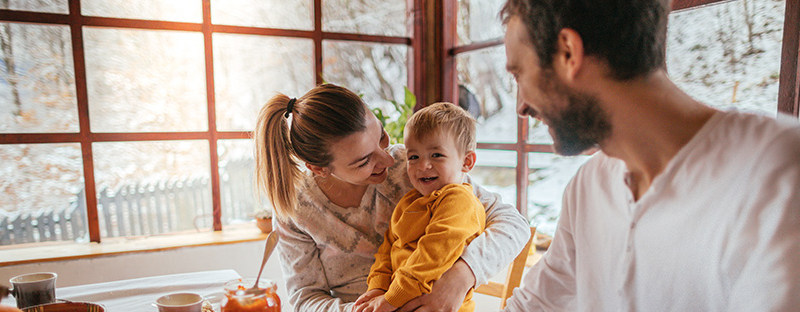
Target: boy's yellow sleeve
{"points": [[380, 274]]}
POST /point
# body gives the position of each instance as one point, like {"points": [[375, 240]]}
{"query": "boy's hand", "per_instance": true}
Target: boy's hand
{"points": [[377, 304], [359, 305]]}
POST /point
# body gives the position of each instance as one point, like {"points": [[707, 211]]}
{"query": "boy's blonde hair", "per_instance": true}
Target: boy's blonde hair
{"points": [[443, 116]]}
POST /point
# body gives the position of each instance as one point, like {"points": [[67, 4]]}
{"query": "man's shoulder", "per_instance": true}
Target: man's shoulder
{"points": [[769, 137], [759, 128]]}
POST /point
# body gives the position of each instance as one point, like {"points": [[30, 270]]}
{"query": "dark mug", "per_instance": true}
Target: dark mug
{"points": [[34, 289]]}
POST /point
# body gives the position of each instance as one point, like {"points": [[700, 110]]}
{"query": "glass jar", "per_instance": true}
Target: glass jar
{"points": [[237, 300]]}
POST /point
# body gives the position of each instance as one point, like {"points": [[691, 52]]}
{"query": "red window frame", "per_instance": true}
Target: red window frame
{"points": [[86, 137]]}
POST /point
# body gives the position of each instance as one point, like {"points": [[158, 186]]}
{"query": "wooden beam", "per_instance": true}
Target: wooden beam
{"points": [[476, 46], [365, 38], [686, 4], [318, 42], [449, 86], [33, 17], [417, 77], [789, 85]]}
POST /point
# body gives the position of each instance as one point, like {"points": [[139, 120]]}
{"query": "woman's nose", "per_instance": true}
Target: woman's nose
{"points": [[387, 159]]}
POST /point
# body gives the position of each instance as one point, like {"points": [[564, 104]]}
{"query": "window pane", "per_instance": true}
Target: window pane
{"points": [[145, 80], [236, 181], [249, 70], [372, 17], [37, 79], [478, 20], [548, 176], [46, 6], [42, 191], [160, 10], [378, 71], [496, 171], [259, 13], [148, 188], [489, 92], [728, 55]]}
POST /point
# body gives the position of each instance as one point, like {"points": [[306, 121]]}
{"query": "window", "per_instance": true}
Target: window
{"points": [[727, 54], [129, 118]]}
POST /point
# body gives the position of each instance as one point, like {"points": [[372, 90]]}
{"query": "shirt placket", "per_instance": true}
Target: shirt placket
{"points": [[627, 291]]}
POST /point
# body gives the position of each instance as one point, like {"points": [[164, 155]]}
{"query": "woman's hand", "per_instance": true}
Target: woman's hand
{"points": [[359, 305], [375, 304], [447, 293]]}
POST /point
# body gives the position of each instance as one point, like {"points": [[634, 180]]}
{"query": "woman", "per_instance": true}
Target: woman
{"points": [[332, 218]]}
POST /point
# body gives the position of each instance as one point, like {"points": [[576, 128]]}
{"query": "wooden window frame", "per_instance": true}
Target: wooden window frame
{"points": [[788, 87], [85, 137]]}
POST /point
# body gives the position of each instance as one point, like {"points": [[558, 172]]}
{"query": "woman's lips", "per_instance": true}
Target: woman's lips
{"points": [[379, 173]]}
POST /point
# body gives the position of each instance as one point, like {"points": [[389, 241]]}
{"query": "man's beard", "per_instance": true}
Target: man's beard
{"points": [[580, 124]]}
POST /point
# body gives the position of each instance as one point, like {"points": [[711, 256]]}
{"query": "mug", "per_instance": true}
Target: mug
{"points": [[180, 302], [34, 289]]}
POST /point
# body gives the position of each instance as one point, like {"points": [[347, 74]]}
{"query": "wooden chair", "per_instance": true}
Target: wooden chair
{"points": [[514, 276]]}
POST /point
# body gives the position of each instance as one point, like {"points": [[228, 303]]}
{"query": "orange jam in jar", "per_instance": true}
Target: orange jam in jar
{"points": [[237, 299]]}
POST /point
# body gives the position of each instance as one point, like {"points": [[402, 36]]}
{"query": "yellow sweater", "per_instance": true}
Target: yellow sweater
{"points": [[426, 236]]}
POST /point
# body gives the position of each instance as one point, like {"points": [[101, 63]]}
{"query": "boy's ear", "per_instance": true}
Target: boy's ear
{"points": [[469, 161], [320, 171]]}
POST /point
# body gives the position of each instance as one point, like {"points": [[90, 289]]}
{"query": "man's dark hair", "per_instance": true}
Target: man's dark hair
{"points": [[628, 34]]}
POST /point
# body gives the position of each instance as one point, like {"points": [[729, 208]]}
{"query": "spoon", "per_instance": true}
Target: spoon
{"points": [[272, 240]]}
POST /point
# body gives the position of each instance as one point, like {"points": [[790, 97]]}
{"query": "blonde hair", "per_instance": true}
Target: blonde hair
{"points": [[444, 116], [321, 117]]}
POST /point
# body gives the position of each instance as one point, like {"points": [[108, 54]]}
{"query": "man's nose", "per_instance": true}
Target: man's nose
{"points": [[520, 105]]}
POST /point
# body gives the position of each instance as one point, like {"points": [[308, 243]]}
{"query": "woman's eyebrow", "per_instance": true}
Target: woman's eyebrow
{"points": [[359, 160]]}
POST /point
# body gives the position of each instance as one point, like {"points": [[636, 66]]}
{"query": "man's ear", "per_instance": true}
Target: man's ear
{"points": [[469, 161], [569, 57], [320, 171]]}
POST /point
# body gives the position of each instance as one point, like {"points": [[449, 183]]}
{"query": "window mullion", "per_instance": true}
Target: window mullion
{"points": [[81, 92], [212, 117]]}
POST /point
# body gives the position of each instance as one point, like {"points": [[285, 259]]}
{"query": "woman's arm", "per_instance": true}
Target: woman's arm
{"points": [[305, 279], [507, 232]]}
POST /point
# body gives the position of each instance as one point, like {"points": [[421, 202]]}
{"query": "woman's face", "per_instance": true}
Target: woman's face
{"points": [[361, 157]]}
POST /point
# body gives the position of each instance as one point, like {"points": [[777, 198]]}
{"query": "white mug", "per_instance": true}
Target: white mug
{"points": [[34, 289], [180, 302]]}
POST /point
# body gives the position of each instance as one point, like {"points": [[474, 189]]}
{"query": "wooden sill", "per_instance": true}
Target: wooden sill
{"points": [[60, 251]]}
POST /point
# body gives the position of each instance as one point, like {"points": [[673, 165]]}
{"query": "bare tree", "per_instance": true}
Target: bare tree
{"points": [[8, 59]]}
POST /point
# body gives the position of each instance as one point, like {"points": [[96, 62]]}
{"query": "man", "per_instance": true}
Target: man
{"points": [[684, 208]]}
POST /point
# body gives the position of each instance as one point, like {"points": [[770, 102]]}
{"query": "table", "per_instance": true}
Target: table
{"points": [[139, 294]]}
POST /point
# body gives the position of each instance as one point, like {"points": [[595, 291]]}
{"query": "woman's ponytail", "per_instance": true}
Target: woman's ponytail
{"points": [[277, 171]]}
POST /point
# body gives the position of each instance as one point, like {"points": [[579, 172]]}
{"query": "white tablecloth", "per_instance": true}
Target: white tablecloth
{"points": [[139, 294]]}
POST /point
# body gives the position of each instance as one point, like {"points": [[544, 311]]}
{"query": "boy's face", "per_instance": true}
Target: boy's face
{"points": [[434, 162]]}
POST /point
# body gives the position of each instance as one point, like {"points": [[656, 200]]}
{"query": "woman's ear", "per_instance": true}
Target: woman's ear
{"points": [[469, 161], [320, 171]]}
